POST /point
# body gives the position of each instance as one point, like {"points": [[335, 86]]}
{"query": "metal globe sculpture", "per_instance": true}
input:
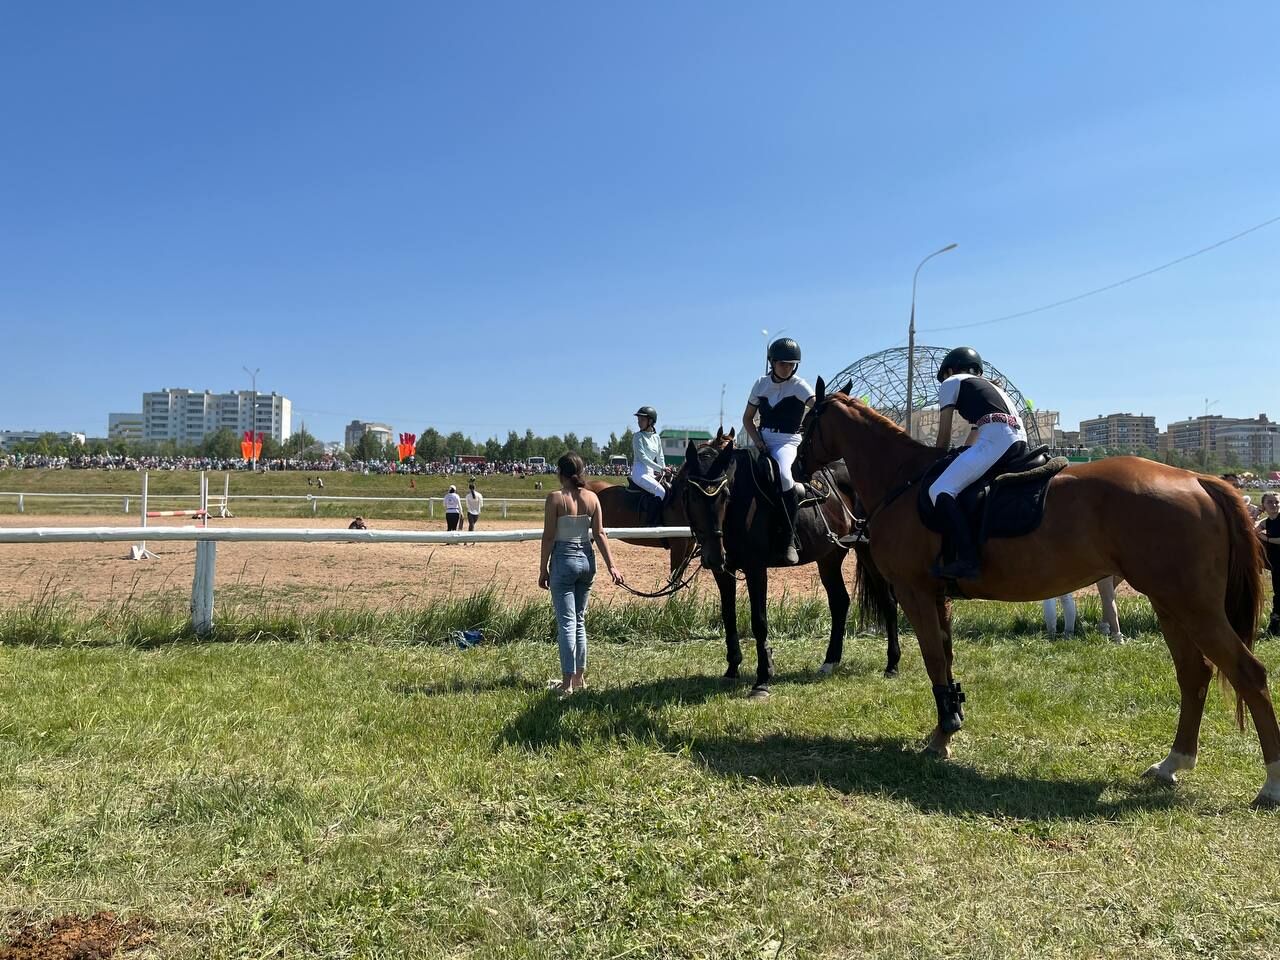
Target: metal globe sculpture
{"points": [[881, 380]]}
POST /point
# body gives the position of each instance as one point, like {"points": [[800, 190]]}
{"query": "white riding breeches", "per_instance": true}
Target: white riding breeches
{"points": [[646, 481], [994, 440], [783, 447]]}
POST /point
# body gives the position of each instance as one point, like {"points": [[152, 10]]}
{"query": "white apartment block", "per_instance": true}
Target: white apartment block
{"points": [[185, 416], [124, 426]]}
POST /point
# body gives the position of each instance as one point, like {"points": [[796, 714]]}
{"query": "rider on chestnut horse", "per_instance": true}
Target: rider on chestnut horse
{"points": [[999, 435], [648, 463]]}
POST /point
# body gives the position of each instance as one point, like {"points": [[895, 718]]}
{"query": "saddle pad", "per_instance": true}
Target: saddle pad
{"points": [[1002, 503]]}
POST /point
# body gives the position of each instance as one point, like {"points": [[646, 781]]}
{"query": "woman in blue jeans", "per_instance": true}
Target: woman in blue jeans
{"points": [[568, 565]]}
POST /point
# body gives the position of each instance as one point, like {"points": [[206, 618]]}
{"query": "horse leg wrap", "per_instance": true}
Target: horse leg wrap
{"points": [[949, 698]]}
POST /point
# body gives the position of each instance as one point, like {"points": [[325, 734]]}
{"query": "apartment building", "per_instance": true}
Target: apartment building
{"points": [[1120, 431], [187, 416], [356, 429]]}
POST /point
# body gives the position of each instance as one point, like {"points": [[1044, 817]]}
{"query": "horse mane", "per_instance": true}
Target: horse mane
{"points": [[867, 412]]}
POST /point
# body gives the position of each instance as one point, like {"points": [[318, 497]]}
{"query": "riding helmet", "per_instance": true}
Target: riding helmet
{"points": [[647, 411], [784, 349], [960, 360]]}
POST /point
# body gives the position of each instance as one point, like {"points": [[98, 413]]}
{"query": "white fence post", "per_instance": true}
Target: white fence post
{"points": [[202, 587], [21, 508], [314, 501], [126, 504], [504, 509], [431, 508], [139, 551]]}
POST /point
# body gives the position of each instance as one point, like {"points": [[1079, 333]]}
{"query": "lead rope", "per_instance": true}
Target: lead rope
{"points": [[674, 584]]}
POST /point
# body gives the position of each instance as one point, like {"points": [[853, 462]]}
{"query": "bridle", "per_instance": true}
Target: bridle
{"points": [[711, 490]]}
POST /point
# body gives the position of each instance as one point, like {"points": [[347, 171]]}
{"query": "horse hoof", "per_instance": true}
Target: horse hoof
{"points": [[1267, 800], [1167, 770], [758, 693], [890, 672], [939, 745], [1268, 797], [826, 669]]}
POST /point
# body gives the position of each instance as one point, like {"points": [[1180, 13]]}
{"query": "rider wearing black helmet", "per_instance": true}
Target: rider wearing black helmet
{"points": [[648, 463], [780, 399], [997, 429]]}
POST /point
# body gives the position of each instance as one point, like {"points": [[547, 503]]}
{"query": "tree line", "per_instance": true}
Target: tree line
{"points": [[432, 447]]}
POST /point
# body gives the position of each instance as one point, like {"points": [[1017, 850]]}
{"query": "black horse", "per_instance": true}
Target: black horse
{"points": [[731, 501]]}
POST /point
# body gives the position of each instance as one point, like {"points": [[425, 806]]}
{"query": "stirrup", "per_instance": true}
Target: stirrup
{"points": [[856, 537]]}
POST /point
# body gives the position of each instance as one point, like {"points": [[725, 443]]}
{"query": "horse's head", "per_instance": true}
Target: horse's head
{"points": [[815, 452], [708, 476]]}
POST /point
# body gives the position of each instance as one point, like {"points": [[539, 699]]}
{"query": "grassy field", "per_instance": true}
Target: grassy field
{"points": [[357, 788], [117, 484]]}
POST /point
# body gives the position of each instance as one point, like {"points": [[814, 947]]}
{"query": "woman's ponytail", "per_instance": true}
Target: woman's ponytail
{"points": [[571, 467]]}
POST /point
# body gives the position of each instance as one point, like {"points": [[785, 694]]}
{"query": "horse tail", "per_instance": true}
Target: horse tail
{"points": [[876, 604], [1243, 598]]}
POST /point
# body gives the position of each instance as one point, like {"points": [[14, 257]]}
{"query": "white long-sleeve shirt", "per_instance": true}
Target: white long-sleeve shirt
{"points": [[646, 450]]}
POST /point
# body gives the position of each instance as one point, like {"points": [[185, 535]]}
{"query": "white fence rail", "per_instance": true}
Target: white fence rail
{"points": [[207, 539]]}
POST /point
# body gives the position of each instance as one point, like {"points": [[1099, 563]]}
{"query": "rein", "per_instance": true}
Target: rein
{"points": [[674, 584]]}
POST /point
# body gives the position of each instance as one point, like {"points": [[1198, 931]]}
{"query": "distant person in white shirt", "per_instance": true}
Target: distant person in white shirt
{"points": [[453, 509], [475, 500]]}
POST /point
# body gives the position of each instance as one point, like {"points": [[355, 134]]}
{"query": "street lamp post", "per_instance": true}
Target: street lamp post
{"points": [[911, 337], [253, 418]]}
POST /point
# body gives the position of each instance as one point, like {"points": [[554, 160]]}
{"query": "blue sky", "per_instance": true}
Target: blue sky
{"points": [[494, 216]]}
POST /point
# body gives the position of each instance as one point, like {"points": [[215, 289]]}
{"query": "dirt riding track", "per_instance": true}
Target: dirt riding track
{"points": [[369, 575]]}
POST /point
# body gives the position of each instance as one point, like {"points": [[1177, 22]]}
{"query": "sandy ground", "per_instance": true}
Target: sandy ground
{"points": [[377, 574]]}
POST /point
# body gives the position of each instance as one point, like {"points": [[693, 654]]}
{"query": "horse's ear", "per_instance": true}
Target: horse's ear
{"points": [[722, 459], [821, 389], [847, 389], [719, 434], [733, 432], [691, 455]]}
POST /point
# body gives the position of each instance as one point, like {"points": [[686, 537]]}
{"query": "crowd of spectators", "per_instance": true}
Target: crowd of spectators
{"points": [[323, 465]]}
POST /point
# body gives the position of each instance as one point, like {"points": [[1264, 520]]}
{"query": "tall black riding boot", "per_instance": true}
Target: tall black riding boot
{"points": [[965, 565], [791, 506], [653, 510]]}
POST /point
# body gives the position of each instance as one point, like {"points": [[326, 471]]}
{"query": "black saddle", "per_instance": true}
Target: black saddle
{"points": [[765, 469], [637, 497], [1007, 501]]}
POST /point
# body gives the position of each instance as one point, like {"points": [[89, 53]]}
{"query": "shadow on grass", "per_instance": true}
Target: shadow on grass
{"points": [[447, 687], [896, 769], [608, 714], [888, 767]]}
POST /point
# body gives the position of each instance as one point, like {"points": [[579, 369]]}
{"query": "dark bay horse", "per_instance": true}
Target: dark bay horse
{"points": [[1182, 539], [729, 509]]}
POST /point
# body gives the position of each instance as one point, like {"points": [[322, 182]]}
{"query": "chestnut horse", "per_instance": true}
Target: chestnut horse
{"points": [[618, 506], [1183, 540], [728, 508]]}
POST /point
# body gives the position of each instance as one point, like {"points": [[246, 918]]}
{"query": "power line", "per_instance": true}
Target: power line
{"points": [[1110, 286]]}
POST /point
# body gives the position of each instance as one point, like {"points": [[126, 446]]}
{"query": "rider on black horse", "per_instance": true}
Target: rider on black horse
{"points": [[781, 399], [996, 429], [648, 463]]}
